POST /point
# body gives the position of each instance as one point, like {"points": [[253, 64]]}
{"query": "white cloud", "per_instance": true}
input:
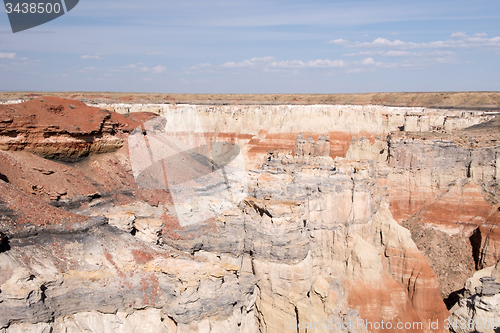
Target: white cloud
{"points": [[458, 40], [21, 65], [382, 42], [361, 70], [266, 64], [139, 67], [458, 35], [248, 63], [287, 64], [158, 69], [377, 43], [200, 68], [393, 53], [7, 55], [339, 41], [204, 65], [400, 53], [88, 69], [368, 61], [86, 57], [431, 59], [326, 63]]}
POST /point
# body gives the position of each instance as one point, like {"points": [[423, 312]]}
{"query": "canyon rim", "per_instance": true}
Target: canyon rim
{"points": [[249, 213]]}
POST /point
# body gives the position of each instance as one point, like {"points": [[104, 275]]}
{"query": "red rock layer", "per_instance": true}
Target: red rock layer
{"points": [[261, 143], [61, 128], [408, 199], [371, 301], [488, 253], [106, 175], [54, 127], [22, 214], [411, 270], [462, 208], [44, 178], [408, 296]]}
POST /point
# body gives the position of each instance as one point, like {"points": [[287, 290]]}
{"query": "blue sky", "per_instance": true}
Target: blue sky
{"points": [[273, 46]]}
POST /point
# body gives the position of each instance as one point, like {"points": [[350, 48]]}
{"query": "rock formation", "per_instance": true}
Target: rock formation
{"points": [[315, 240], [67, 271], [479, 308], [448, 181], [58, 128]]}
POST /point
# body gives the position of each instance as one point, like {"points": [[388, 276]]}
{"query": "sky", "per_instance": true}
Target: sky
{"points": [[272, 46]]}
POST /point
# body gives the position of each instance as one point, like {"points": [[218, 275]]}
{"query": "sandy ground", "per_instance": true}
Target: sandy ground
{"points": [[459, 100]]}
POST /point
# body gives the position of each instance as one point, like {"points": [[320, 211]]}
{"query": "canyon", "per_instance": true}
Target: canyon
{"points": [[295, 215]]}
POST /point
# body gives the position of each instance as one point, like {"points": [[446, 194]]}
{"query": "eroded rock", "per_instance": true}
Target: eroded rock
{"points": [[314, 238]]}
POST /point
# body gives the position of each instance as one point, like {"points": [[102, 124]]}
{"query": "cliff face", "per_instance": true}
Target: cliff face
{"points": [[448, 182], [68, 271], [321, 241], [118, 241]]}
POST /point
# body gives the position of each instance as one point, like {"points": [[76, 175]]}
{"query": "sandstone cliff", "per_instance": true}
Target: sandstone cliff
{"points": [[86, 248], [448, 182]]}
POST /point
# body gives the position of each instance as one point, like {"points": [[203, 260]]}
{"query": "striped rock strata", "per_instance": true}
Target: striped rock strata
{"points": [[313, 239]]}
